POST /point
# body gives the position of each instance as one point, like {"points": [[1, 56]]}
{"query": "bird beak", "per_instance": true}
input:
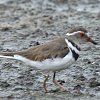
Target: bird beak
{"points": [[92, 41]]}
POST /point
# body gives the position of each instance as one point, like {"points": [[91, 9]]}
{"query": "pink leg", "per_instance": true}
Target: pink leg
{"points": [[57, 83], [44, 84]]}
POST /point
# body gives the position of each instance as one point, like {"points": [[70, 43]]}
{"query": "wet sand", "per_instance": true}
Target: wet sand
{"points": [[26, 23]]}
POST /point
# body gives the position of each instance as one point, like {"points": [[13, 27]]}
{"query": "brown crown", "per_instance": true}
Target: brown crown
{"points": [[75, 29]]}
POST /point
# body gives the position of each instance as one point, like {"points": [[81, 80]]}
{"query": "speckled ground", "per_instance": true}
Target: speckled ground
{"points": [[24, 23]]}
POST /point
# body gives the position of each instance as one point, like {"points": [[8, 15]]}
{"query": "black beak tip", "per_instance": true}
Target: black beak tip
{"points": [[95, 43]]}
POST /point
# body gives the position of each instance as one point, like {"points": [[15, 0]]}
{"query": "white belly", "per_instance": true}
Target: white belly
{"points": [[49, 64]]}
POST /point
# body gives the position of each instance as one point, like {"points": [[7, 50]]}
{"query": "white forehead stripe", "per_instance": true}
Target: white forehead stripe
{"points": [[69, 34]]}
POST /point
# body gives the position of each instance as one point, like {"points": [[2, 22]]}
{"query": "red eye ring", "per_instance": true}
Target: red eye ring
{"points": [[89, 40], [81, 34]]}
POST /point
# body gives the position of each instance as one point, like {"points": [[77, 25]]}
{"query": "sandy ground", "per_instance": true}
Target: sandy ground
{"points": [[24, 23]]}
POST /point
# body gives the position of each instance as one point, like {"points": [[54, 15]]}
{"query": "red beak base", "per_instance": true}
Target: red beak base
{"points": [[92, 41]]}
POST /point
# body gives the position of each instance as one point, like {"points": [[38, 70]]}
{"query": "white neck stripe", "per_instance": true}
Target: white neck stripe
{"points": [[71, 46]]}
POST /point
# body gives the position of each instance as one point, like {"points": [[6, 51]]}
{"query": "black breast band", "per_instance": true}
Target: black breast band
{"points": [[75, 55]]}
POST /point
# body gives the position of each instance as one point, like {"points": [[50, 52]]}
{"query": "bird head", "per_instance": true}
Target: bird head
{"points": [[80, 35]]}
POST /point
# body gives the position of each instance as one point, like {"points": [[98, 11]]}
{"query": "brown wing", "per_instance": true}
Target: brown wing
{"points": [[56, 48]]}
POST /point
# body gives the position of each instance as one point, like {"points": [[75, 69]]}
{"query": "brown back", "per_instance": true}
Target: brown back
{"points": [[56, 48]]}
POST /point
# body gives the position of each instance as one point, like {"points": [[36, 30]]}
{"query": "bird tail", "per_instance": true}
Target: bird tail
{"points": [[8, 54]]}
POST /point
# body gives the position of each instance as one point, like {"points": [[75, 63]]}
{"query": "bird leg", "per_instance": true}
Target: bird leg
{"points": [[44, 83], [57, 83]]}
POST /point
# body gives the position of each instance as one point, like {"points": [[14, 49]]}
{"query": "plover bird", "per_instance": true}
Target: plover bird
{"points": [[55, 55]]}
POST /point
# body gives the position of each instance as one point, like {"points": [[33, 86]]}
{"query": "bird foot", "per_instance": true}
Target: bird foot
{"points": [[61, 81], [59, 84]]}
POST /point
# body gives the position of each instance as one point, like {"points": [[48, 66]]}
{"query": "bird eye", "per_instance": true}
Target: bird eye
{"points": [[81, 34]]}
